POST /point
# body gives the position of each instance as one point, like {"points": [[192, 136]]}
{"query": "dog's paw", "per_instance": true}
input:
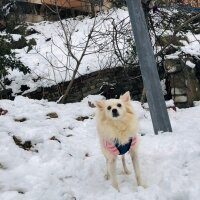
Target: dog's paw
{"points": [[116, 186], [144, 185]]}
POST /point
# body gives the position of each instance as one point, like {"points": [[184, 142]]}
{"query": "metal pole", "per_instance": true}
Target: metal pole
{"points": [[148, 68]]}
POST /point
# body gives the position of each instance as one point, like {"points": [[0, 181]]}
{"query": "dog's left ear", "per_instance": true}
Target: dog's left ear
{"points": [[126, 97], [100, 104]]}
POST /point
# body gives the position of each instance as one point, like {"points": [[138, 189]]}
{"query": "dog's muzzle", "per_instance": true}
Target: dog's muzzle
{"points": [[115, 112]]}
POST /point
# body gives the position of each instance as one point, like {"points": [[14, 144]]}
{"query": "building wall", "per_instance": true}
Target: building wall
{"points": [[82, 5]]}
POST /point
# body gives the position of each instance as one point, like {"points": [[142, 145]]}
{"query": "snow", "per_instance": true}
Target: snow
{"points": [[16, 37], [65, 161], [49, 58], [181, 99], [190, 64], [193, 47], [169, 104], [163, 86], [72, 167]]}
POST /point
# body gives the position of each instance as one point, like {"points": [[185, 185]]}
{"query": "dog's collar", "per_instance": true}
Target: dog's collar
{"points": [[123, 148]]}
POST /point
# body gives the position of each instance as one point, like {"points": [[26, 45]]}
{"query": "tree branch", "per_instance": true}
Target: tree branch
{"points": [[176, 31]]}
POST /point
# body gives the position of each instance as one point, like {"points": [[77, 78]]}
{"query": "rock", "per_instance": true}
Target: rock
{"points": [[173, 65], [52, 115], [178, 91], [27, 145], [180, 99], [82, 118], [23, 119]]}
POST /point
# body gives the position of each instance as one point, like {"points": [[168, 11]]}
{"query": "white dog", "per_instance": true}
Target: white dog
{"points": [[117, 127]]}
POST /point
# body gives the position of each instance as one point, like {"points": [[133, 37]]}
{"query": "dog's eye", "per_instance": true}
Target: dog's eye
{"points": [[119, 105], [109, 107]]}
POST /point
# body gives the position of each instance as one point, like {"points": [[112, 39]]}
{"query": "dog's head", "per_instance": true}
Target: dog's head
{"points": [[115, 108]]}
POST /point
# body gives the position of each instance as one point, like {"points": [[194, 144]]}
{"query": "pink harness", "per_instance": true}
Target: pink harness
{"points": [[111, 147]]}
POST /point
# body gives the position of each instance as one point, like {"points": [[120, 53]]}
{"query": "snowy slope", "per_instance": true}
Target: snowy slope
{"points": [[72, 167], [48, 60], [50, 57]]}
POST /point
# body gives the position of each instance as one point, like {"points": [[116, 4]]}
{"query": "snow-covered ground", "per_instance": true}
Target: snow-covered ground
{"points": [[70, 165]]}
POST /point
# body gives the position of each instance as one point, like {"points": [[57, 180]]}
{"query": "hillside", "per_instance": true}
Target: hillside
{"points": [[50, 62]]}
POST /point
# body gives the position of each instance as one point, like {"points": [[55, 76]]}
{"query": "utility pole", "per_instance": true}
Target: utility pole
{"points": [[148, 68]]}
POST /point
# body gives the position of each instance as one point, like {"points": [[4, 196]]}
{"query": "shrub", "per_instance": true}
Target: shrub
{"points": [[11, 62]]}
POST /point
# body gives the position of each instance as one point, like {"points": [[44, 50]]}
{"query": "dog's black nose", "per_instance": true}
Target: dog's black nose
{"points": [[115, 112]]}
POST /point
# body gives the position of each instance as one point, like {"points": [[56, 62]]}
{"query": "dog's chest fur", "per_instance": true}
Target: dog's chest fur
{"points": [[120, 130]]}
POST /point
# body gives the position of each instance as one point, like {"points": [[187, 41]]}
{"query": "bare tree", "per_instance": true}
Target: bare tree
{"points": [[77, 59], [109, 38], [74, 52]]}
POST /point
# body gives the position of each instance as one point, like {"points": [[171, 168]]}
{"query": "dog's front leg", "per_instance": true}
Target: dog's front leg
{"points": [[112, 172], [135, 161]]}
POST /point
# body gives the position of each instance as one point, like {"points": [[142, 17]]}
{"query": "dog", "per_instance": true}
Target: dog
{"points": [[117, 128]]}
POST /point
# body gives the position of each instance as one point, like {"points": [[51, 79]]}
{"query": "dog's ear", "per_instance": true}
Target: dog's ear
{"points": [[100, 104], [126, 97]]}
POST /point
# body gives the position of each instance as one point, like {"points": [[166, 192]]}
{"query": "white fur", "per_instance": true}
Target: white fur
{"points": [[122, 127]]}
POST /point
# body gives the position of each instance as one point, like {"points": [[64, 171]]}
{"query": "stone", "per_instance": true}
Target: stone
{"points": [[173, 65], [180, 99], [52, 115], [178, 91], [22, 119], [82, 118], [177, 80]]}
